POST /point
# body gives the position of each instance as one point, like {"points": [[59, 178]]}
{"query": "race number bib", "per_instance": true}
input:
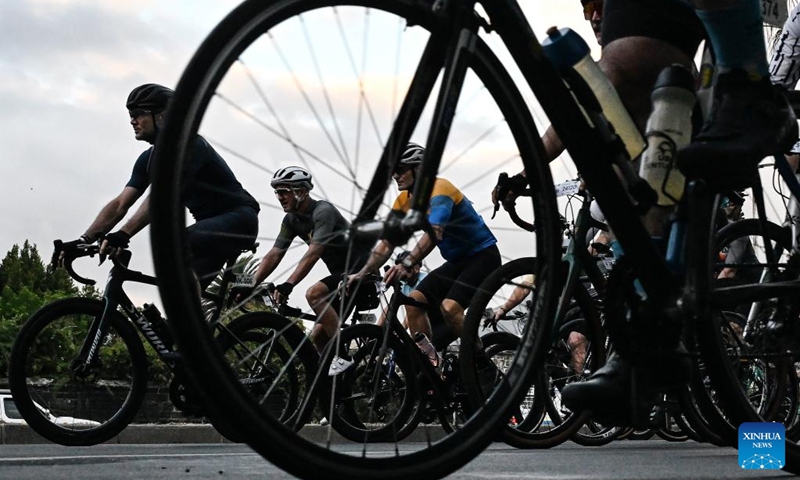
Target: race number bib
{"points": [[568, 188], [775, 12]]}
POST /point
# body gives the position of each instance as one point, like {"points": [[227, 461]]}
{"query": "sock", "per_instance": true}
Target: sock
{"points": [[737, 35]]}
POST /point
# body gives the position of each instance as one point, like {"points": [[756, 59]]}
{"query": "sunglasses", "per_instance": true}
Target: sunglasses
{"points": [[138, 113], [282, 191], [401, 170], [591, 8]]}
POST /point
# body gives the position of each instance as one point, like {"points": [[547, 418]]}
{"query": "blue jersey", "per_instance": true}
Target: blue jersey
{"points": [[465, 232]]}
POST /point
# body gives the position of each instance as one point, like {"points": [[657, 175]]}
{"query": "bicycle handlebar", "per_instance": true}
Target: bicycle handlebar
{"points": [[71, 253], [74, 251], [505, 186]]}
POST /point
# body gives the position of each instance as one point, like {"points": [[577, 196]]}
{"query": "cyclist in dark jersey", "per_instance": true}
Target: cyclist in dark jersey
{"points": [[748, 120], [226, 216], [464, 240], [321, 226]]}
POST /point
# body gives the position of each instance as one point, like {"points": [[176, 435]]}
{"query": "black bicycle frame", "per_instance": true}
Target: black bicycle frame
{"points": [[114, 296]]}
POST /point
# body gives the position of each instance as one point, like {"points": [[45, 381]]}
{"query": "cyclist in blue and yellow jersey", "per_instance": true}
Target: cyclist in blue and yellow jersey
{"points": [[464, 240], [226, 215]]}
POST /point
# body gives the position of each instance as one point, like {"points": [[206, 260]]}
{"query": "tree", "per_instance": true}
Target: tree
{"points": [[25, 286]]}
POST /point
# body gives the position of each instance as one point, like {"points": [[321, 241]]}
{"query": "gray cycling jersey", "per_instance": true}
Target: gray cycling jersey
{"points": [[784, 68], [322, 223]]}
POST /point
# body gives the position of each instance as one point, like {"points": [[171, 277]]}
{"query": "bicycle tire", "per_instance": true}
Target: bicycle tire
{"points": [[109, 395], [259, 345], [392, 385], [249, 21], [523, 435], [717, 347]]}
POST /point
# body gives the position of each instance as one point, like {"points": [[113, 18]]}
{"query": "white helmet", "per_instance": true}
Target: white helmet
{"points": [[293, 176], [412, 155]]}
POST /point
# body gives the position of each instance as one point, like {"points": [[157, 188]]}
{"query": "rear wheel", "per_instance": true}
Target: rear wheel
{"points": [[274, 362]]}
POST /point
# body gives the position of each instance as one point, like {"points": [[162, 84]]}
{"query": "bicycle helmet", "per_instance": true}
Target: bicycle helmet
{"points": [[149, 96], [412, 155], [734, 197], [737, 197], [293, 176]]}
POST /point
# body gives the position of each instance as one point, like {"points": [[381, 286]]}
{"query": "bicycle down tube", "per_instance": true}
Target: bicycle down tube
{"points": [[589, 148]]}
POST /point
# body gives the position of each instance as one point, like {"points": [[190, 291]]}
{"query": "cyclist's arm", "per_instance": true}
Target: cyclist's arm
{"points": [[425, 246], [553, 147], [139, 220], [113, 212], [379, 255], [310, 258], [269, 263], [421, 250], [516, 297]]}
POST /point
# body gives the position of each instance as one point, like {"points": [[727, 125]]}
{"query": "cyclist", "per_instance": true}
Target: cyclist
{"points": [[463, 239], [593, 13], [407, 285], [321, 226], [740, 251], [749, 120], [226, 215]]}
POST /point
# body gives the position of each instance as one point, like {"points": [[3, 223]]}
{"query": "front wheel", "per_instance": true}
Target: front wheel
{"points": [[64, 398], [336, 86]]}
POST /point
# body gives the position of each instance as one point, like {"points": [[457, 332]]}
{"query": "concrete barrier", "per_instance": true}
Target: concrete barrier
{"points": [[193, 433]]}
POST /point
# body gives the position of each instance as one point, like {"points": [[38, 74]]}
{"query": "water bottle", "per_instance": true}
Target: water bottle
{"points": [[565, 48], [668, 129], [428, 349], [157, 323]]}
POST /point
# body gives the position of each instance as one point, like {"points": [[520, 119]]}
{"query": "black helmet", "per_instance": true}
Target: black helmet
{"points": [[735, 197], [149, 96]]}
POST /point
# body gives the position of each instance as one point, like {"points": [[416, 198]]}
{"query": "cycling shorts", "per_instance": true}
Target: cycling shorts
{"points": [[459, 280], [366, 296], [214, 240], [672, 21]]}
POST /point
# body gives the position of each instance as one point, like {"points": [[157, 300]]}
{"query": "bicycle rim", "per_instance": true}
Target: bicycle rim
{"points": [[206, 95], [60, 398]]}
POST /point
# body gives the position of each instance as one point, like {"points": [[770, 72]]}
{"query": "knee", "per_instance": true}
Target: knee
{"points": [[316, 293], [451, 310], [576, 340]]}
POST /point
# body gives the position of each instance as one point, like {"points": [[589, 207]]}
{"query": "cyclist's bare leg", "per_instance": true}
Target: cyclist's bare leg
{"points": [[578, 347], [453, 314], [319, 297], [633, 64], [417, 318]]}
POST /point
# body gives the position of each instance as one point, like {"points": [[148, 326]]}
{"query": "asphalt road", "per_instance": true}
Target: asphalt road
{"points": [[650, 459]]}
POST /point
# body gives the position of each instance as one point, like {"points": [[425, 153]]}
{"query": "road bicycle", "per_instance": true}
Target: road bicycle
{"points": [[366, 392], [83, 358], [458, 81], [689, 411]]}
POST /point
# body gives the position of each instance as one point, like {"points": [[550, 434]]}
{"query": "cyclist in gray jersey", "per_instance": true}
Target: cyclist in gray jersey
{"points": [[321, 226]]}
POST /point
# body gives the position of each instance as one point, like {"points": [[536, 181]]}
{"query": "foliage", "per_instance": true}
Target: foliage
{"points": [[25, 286]]}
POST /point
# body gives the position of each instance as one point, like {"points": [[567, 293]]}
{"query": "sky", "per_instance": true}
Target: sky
{"points": [[66, 67]]}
